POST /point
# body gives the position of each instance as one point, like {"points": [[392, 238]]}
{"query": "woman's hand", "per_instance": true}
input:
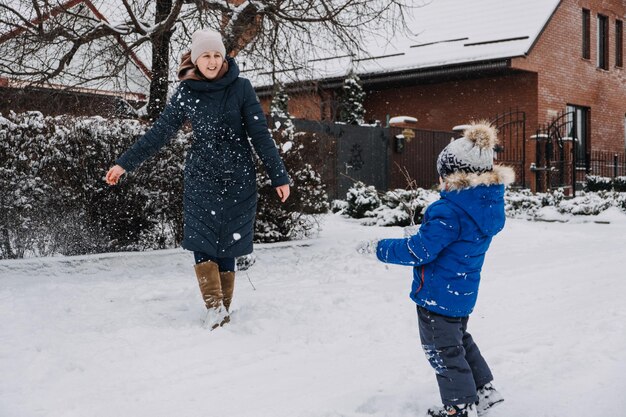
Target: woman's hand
{"points": [[283, 192], [114, 174]]}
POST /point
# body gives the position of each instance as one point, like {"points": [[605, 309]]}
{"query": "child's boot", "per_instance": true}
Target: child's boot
{"points": [[208, 275], [488, 397], [459, 410]]}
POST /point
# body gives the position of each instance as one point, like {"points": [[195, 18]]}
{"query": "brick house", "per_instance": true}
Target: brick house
{"points": [[74, 92], [558, 63]]}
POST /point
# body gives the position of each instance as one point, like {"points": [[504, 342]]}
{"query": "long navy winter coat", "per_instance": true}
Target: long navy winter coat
{"points": [[448, 251], [220, 193]]}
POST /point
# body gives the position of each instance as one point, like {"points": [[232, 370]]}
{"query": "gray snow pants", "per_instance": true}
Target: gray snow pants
{"points": [[451, 351]]}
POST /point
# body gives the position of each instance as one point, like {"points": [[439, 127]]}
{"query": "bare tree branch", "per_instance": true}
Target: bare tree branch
{"points": [[50, 41]]}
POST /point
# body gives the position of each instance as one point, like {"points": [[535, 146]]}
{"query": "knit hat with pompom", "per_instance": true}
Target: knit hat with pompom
{"points": [[472, 153]]}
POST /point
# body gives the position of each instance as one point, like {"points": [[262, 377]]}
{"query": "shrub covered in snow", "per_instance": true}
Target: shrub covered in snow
{"points": [[297, 218], [352, 110], [338, 206], [524, 204], [361, 199], [282, 123], [597, 183], [394, 208], [53, 198], [400, 205], [619, 184]]}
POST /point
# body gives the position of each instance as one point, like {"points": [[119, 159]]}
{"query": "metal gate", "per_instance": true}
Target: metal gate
{"points": [[351, 153], [511, 149], [557, 164], [414, 153]]}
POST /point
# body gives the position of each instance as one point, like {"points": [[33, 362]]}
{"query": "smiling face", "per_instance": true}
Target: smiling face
{"points": [[210, 63]]}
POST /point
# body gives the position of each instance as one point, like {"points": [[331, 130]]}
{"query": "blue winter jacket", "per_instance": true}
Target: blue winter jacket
{"points": [[448, 251]]}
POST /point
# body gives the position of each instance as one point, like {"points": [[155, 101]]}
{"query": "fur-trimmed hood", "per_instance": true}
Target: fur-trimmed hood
{"points": [[461, 180], [480, 196]]}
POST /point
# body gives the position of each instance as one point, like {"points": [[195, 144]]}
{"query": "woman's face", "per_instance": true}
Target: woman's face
{"points": [[210, 63]]}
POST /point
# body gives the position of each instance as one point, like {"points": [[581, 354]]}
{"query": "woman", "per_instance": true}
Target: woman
{"points": [[220, 194]]}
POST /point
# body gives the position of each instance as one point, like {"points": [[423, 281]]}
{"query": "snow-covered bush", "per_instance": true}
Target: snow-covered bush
{"points": [[394, 208], [361, 199], [282, 123], [297, 218], [352, 110], [53, 197], [398, 206], [338, 206], [597, 183], [619, 184], [524, 204]]}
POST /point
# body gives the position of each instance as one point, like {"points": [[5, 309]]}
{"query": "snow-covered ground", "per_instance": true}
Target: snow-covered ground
{"points": [[316, 331]]}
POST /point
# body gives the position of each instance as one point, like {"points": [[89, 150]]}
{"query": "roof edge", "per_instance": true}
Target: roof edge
{"points": [[532, 45], [372, 79]]}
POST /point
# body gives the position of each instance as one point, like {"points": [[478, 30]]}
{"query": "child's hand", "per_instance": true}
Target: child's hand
{"points": [[411, 230], [367, 247], [114, 174]]}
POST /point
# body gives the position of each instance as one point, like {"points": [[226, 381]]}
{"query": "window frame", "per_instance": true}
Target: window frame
{"points": [[602, 42], [580, 123], [619, 43], [586, 34]]}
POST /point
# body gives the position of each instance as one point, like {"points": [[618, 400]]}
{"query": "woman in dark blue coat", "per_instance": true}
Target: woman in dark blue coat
{"points": [[220, 193]]}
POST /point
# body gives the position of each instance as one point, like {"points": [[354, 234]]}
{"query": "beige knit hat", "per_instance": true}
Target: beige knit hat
{"points": [[206, 40]]}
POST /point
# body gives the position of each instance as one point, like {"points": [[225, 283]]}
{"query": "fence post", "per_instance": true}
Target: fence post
{"points": [[614, 165]]}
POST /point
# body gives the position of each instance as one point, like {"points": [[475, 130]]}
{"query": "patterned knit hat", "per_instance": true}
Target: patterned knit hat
{"points": [[471, 153], [206, 40]]}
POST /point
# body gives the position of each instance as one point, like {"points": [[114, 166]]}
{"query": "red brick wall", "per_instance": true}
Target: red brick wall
{"points": [[311, 106], [442, 106], [566, 78]]}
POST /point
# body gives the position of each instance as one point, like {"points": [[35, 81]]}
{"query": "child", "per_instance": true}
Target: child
{"points": [[447, 255]]}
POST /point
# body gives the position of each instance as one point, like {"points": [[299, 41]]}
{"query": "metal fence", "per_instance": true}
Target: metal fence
{"points": [[607, 164]]}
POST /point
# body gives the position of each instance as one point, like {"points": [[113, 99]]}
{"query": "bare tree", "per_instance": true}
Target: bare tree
{"points": [[44, 41]]}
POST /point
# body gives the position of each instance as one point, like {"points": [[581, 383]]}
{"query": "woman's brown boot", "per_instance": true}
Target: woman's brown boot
{"points": [[211, 289], [228, 286]]}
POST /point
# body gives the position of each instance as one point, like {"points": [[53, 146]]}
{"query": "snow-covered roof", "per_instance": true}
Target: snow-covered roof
{"points": [[91, 69], [445, 32]]}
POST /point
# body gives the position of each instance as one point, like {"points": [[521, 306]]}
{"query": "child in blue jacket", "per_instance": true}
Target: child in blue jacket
{"points": [[447, 255]]}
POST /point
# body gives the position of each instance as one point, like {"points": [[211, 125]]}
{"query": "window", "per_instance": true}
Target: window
{"points": [[586, 34], [578, 118], [603, 42], [619, 43]]}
